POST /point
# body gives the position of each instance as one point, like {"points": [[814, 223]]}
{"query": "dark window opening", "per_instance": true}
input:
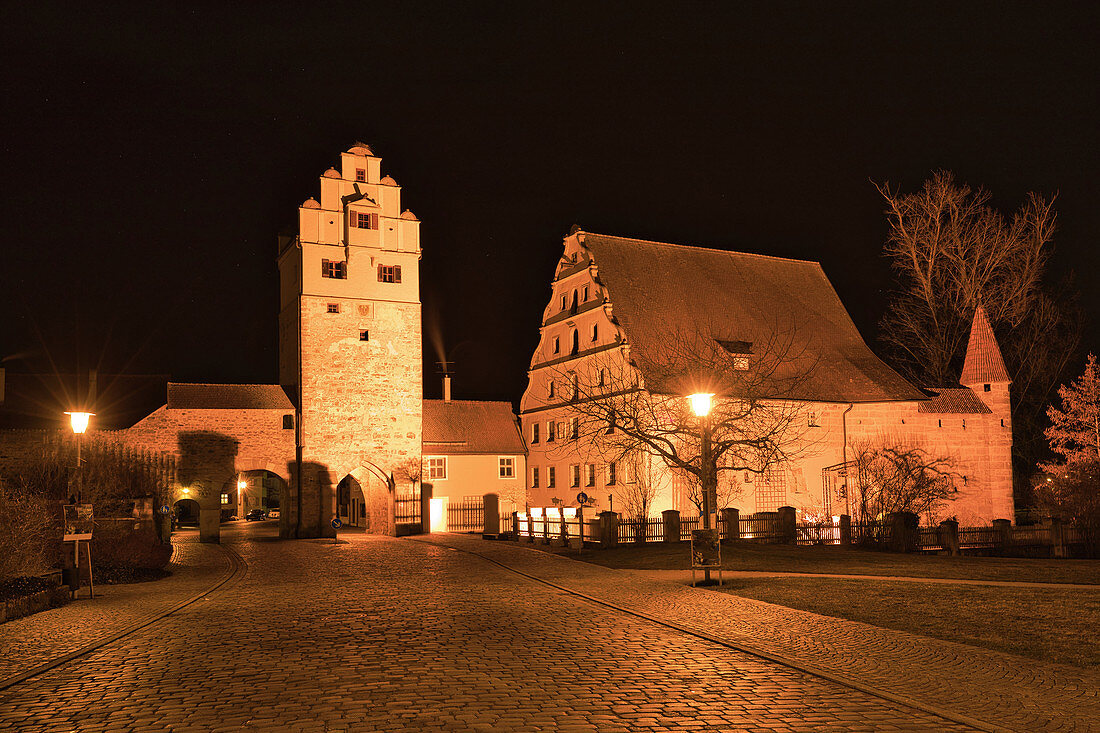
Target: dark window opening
{"points": [[333, 307], [364, 335], [550, 477], [361, 175], [576, 343], [535, 433], [573, 307], [362, 220], [288, 422], [389, 273], [986, 388], [336, 269]]}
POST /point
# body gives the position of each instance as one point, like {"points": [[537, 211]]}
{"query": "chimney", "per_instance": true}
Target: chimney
{"points": [[446, 387]]}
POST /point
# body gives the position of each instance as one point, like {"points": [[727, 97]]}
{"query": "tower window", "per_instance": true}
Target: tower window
{"points": [[985, 388], [333, 308], [336, 269], [584, 294], [563, 302], [595, 332], [557, 345], [576, 343], [288, 422], [389, 273], [364, 335], [361, 175], [363, 220]]}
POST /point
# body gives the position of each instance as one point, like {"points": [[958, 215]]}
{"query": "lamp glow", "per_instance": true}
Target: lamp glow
{"points": [[700, 403], [186, 492], [79, 421], [242, 484]]}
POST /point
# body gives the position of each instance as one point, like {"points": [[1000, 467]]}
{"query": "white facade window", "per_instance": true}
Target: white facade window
{"points": [[362, 220], [610, 474], [551, 432], [534, 432], [335, 269], [361, 175], [435, 468], [507, 466], [575, 475], [625, 474], [550, 477], [534, 477], [574, 428]]}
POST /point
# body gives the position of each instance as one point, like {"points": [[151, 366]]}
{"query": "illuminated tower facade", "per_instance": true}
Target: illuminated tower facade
{"points": [[350, 342]]}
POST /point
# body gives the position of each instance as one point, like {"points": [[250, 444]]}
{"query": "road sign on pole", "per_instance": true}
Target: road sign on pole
{"points": [[336, 524]]}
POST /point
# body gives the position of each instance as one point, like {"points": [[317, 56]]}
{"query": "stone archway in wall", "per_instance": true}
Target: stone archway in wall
{"points": [[374, 513], [266, 486]]}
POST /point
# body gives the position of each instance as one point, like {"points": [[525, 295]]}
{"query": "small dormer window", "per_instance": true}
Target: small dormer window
{"points": [[985, 388], [557, 345], [364, 220], [361, 175]]}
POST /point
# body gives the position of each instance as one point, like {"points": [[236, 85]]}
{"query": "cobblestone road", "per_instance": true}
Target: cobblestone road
{"points": [[386, 634]]}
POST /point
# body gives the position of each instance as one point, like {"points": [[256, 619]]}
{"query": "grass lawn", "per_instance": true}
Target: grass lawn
{"points": [[833, 559], [1051, 625]]}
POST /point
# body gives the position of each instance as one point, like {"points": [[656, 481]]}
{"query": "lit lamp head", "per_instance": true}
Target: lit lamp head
{"points": [[79, 421], [186, 492], [700, 403], [242, 484]]}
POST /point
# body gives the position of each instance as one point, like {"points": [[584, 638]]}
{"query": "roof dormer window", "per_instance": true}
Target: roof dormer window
{"points": [[364, 220], [361, 175]]}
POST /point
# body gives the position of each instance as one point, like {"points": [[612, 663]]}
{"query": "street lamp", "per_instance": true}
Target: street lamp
{"points": [[708, 479], [79, 422]]}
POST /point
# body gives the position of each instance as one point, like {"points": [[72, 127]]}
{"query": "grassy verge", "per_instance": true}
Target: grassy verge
{"points": [[838, 560], [1051, 625]]}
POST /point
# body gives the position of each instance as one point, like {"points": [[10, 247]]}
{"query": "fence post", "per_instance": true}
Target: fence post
{"points": [[490, 514], [530, 526], [845, 530], [732, 517], [787, 524], [515, 525], [546, 525], [1003, 529], [426, 508], [563, 530], [671, 521], [1057, 538], [904, 531], [948, 532], [609, 529]]}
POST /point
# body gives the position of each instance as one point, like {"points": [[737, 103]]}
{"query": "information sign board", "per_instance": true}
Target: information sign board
{"points": [[78, 522], [705, 552]]}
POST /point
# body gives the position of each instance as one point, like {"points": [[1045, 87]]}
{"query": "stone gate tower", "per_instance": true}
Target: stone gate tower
{"points": [[350, 341]]}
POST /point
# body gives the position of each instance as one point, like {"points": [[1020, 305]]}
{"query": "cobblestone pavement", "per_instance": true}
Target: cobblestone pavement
{"points": [[387, 634], [993, 687], [28, 642]]}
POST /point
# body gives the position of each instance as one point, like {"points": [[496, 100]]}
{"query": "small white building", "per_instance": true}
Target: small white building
{"points": [[471, 449]]}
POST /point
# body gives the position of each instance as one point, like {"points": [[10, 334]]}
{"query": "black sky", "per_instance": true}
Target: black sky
{"points": [[151, 152]]}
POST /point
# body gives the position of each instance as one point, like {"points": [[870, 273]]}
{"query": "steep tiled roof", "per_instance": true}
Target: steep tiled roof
{"points": [[983, 363], [954, 400], [227, 397], [657, 289], [465, 426]]}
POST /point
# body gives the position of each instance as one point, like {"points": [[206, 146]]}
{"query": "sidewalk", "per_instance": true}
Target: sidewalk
{"points": [[684, 576], [34, 640], [1002, 690]]}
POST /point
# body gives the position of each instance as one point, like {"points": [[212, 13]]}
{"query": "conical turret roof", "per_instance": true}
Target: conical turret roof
{"points": [[984, 363]]}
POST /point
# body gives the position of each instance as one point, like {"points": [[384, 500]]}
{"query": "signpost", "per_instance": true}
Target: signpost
{"points": [[706, 552], [336, 525], [78, 526], [582, 498]]}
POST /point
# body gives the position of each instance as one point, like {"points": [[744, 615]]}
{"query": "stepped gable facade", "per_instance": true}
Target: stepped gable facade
{"points": [[616, 301]]}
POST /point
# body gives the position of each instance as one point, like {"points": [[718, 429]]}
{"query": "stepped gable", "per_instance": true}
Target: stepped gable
{"points": [[658, 289], [954, 401], [467, 426], [227, 397], [984, 363]]}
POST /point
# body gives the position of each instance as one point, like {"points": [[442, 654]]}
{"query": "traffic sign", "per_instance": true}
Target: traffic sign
{"points": [[582, 498], [336, 523]]}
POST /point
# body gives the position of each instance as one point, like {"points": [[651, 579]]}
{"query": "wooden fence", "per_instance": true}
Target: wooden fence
{"points": [[467, 515], [406, 508]]}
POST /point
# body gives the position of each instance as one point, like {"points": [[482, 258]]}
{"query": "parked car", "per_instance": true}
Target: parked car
{"points": [[272, 513], [257, 515]]}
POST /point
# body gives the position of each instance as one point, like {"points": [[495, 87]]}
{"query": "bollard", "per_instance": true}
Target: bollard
{"points": [[845, 530], [731, 516], [948, 532]]}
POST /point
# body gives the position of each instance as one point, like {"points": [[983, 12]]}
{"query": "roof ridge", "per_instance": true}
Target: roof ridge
{"points": [[472, 402], [701, 249], [224, 384]]}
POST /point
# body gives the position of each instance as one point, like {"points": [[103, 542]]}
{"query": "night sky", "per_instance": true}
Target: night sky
{"points": [[151, 154]]}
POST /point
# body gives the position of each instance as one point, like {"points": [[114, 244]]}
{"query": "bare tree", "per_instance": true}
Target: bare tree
{"points": [[894, 476], [639, 493], [627, 403], [951, 252], [410, 470]]}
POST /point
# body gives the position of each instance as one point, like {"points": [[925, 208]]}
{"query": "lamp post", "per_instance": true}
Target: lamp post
{"points": [[79, 422], [700, 405]]}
